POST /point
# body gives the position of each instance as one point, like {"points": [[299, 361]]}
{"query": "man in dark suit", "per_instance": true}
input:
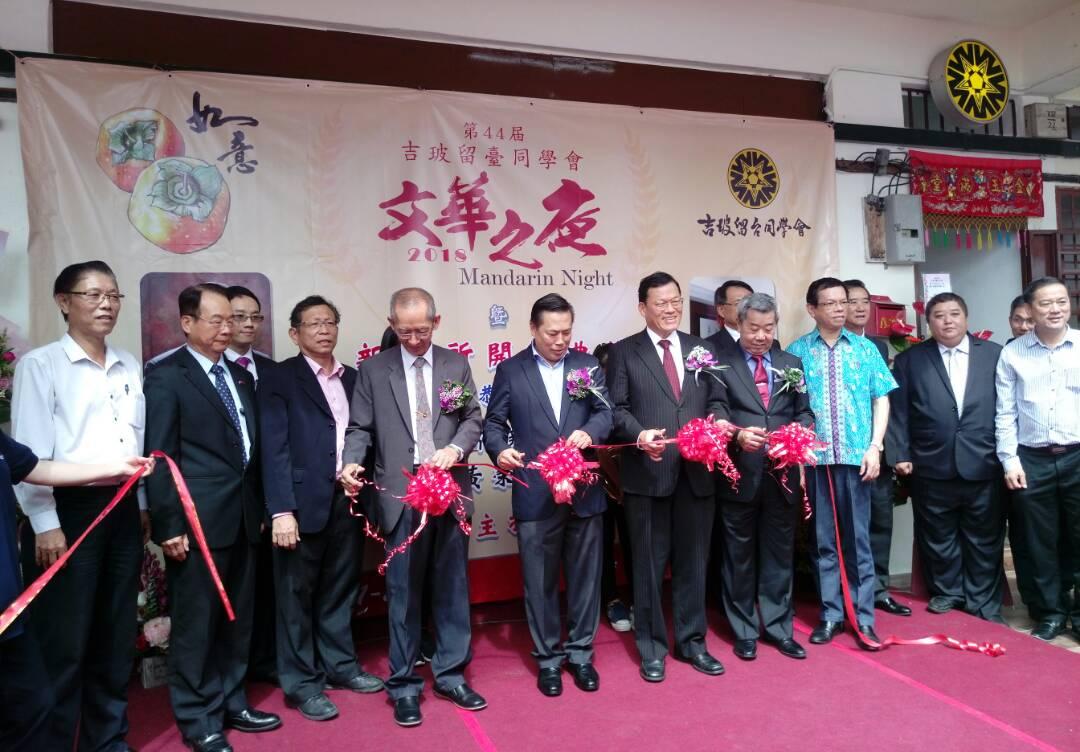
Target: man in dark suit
{"points": [[200, 410], [530, 397], [759, 514], [726, 299], [396, 409], [670, 503], [942, 431], [304, 411]]}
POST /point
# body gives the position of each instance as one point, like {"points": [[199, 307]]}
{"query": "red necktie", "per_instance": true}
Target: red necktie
{"points": [[670, 371], [761, 379]]}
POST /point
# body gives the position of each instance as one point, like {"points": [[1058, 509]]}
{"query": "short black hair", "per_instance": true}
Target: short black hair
{"points": [[71, 275], [850, 283], [825, 283], [1038, 284], [601, 351], [553, 302], [389, 339], [310, 302], [945, 297], [191, 297], [656, 279], [239, 291], [1017, 302], [720, 296]]}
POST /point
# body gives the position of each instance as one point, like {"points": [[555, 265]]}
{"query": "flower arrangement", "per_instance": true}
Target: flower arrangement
{"points": [[580, 384], [790, 378], [453, 395], [700, 359], [153, 604], [7, 376], [902, 336]]}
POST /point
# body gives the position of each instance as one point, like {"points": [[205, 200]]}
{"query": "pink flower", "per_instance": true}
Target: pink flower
{"points": [[8, 357], [920, 307], [157, 631]]}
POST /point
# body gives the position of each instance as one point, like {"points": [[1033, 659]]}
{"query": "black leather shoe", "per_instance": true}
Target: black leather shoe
{"points": [[549, 682], [252, 721], [943, 604], [316, 708], [868, 632], [363, 683], [1047, 630], [407, 711], [825, 631], [585, 677], [889, 605], [210, 743], [791, 649], [706, 664], [652, 671], [463, 696], [746, 649]]}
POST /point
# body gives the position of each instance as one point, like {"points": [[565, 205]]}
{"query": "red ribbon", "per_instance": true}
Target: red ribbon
{"points": [[563, 467]]}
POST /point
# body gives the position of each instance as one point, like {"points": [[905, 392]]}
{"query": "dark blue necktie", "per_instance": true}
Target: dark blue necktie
{"points": [[230, 405]]}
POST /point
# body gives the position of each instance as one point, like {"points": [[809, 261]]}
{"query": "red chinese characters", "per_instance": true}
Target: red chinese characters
{"points": [[497, 353], [467, 210], [464, 348], [414, 221]]}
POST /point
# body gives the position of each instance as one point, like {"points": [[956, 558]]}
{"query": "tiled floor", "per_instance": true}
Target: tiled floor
{"points": [[1017, 615]]}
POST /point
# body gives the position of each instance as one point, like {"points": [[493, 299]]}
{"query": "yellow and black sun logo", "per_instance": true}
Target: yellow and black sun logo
{"points": [[977, 82], [753, 178]]}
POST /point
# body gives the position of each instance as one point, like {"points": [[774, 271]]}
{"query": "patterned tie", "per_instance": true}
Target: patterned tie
{"points": [[761, 379], [230, 406], [670, 371], [243, 362], [425, 442]]}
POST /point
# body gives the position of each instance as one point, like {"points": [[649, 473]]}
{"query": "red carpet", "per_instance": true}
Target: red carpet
{"points": [[840, 698]]}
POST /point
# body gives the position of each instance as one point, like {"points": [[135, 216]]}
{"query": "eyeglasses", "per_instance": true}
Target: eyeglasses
{"points": [[669, 303], [414, 333], [94, 297], [314, 326], [833, 304], [218, 323], [243, 318]]}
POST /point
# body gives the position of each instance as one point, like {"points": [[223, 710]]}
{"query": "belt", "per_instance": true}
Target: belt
{"points": [[1054, 450]]}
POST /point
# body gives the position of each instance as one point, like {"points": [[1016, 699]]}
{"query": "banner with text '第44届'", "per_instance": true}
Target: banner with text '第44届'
{"points": [[353, 191]]}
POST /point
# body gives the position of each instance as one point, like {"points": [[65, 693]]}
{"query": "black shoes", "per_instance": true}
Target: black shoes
{"points": [[549, 682], [210, 743], [705, 663], [868, 632], [1048, 629], [252, 721], [889, 605], [652, 671], [363, 683], [746, 649], [407, 711], [825, 631], [943, 604], [790, 648], [463, 696], [316, 708], [585, 677]]}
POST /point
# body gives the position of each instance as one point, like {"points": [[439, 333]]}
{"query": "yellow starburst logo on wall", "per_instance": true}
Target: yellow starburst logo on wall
{"points": [[977, 82], [753, 178]]}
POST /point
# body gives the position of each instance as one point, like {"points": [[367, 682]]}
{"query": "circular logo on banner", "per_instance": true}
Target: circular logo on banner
{"points": [[753, 178], [976, 81]]}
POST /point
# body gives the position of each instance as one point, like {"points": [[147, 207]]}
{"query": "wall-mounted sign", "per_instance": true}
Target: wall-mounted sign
{"points": [[969, 83]]}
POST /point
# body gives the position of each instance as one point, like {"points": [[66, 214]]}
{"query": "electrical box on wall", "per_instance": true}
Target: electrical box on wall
{"points": [[1046, 121], [904, 242]]}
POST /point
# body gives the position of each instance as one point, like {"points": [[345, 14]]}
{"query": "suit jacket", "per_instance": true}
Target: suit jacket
{"points": [[742, 405], [924, 426], [520, 402], [722, 341], [642, 398], [186, 419], [380, 419], [299, 442]]}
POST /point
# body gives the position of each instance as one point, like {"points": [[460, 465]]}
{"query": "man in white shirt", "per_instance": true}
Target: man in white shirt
{"points": [[80, 400]]}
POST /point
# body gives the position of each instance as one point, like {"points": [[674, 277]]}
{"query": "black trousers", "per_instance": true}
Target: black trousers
{"points": [[262, 662], [961, 536], [26, 695], [759, 562], [208, 654], [674, 528], [85, 622], [1049, 513], [317, 584], [446, 548], [615, 519], [882, 493]]}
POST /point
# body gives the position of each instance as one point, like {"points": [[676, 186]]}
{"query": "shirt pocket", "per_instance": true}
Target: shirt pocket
{"points": [[133, 411], [1072, 379]]}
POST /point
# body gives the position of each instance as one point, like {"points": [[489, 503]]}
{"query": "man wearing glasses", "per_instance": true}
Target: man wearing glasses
{"points": [[81, 400], [248, 320], [726, 300]]}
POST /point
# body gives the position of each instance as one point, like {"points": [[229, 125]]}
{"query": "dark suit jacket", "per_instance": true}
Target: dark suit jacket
{"points": [[722, 341], [520, 402], [186, 419], [642, 399], [742, 406], [380, 419], [924, 427], [299, 442]]}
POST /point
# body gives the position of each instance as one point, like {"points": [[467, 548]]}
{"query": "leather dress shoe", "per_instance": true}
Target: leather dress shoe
{"points": [[889, 605], [790, 648], [705, 663], [652, 671], [746, 649], [215, 742], [585, 677], [463, 696], [549, 682], [868, 632], [825, 631], [252, 721], [1047, 630], [407, 711], [363, 683], [943, 604], [318, 707]]}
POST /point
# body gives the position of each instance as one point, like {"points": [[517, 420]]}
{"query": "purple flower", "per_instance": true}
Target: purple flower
{"points": [[452, 396], [8, 357]]}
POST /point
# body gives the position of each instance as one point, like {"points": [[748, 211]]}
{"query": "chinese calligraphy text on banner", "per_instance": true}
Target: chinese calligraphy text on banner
{"points": [[352, 191]]}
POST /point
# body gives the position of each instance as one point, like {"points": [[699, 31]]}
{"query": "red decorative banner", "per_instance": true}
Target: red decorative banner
{"points": [[977, 186]]}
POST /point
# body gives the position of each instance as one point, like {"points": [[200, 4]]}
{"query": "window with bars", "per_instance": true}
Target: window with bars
{"points": [[1068, 216], [920, 112]]}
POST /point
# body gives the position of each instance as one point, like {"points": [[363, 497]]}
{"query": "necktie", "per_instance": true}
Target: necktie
{"points": [[761, 379], [243, 362], [670, 371], [230, 406], [425, 442]]}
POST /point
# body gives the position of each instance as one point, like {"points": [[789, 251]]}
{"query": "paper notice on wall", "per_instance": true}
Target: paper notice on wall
{"points": [[932, 284]]}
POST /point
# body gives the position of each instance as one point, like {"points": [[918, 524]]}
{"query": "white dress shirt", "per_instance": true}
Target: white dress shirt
{"points": [[68, 408], [733, 332], [552, 376], [407, 361], [956, 365], [676, 351], [206, 364]]}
